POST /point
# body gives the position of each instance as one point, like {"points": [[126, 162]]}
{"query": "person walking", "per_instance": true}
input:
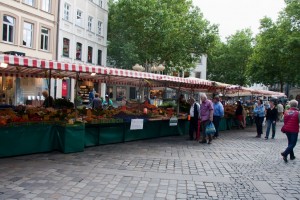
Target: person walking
{"points": [[259, 114], [291, 129], [218, 114], [206, 113], [195, 115], [271, 118]]}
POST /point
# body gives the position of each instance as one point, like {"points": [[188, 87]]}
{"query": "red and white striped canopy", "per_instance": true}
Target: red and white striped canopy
{"points": [[20, 66], [32, 67]]}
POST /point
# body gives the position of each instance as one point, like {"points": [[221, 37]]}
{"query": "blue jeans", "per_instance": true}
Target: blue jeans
{"points": [[269, 123], [292, 140]]}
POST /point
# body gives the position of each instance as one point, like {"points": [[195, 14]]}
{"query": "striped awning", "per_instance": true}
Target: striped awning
{"points": [[20, 66]]}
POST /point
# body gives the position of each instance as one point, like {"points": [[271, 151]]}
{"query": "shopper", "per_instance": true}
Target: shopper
{"points": [[291, 129], [259, 114], [239, 115], [280, 111], [271, 118], [96, 103], [206, 113], [107, 101], [194, 116], [48, 102], [218, 114]]}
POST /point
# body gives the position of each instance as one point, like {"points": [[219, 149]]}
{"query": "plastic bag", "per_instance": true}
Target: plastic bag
{"points": [[210, 129]]}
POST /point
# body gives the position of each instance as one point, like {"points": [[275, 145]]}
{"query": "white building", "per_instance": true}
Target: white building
{"points": [[82, 38], [201, 68]]}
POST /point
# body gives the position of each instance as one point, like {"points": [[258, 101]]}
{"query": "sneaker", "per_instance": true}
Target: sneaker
{"points": [[292, 157], [202, 142], [284, 158], [266, 138], [209, 142], [258, 136], [273, 138]]}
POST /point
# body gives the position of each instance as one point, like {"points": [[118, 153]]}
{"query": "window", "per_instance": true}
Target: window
{"points": [[79, 19], [29, 2], [90, 55], [46, 5], [198, 75], [28, 34], [66, 47], [67, 12], [8, 28], [90, 22], [99, 28], [45, 39], [99, 59], [78, 51]]}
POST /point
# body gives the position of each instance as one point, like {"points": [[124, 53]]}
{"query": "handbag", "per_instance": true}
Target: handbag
{"points": [[210, 129]]}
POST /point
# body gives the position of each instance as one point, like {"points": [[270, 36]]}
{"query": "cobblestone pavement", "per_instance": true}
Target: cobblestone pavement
{"points": [[235, 166]]}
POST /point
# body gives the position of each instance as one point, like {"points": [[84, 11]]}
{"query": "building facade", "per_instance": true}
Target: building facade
{"points": [[28, 28], [82, 39], [200, 69]]}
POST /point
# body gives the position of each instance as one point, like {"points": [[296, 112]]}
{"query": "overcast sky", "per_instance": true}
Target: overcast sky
{"points": [[233, 15]]}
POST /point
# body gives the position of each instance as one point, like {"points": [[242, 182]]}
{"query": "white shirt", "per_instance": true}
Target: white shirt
{"points": [[280, 108], [192, 109]]}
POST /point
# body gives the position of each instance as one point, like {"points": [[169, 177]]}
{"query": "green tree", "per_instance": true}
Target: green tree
{"points": [[277, 51], [172, 32], [227, 62]]}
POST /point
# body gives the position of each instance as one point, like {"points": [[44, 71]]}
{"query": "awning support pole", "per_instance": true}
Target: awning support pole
{"points": [[76, 94], [177, 97]]}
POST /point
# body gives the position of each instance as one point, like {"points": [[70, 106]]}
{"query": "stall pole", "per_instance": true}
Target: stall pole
{"points": [[177, 96], [49, 85], [76, 94]]}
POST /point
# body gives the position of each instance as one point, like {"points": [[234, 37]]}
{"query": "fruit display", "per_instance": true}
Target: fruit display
{"points": [[132, 110], [229, 110]]}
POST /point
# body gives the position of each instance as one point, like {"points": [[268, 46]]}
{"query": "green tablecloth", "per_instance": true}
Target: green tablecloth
{"points": [[40, 137], [70, 138], [26, 139]]}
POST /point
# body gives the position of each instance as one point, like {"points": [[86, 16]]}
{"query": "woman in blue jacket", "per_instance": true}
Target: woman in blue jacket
{"points": [[259, 115]]}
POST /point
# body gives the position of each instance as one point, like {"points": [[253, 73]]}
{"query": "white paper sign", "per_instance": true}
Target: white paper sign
{"points": [[136, 124], [173, 121]]}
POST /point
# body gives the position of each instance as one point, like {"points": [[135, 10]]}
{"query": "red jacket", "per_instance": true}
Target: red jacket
{"points": [[291, 121]]}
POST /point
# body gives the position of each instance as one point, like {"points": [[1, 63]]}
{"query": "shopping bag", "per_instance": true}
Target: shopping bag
{"points": [[210, 129]]}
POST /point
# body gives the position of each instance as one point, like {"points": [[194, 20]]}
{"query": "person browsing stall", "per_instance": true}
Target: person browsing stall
{"points": [[48, 102], [206, 113], [107, 101], [96, 103], [218, 114], [195, 115]]}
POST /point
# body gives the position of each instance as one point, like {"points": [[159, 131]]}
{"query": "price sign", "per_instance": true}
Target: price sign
{"points": [[136, 124], [173, 121]]}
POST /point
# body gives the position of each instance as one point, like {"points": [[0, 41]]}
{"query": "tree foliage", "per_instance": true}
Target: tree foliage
{"points": [[277, 51], [227, 62], [147, 32]]}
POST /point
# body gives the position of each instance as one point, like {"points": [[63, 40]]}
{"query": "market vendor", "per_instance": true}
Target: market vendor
{"points": [[107, 101], [48, 102]]}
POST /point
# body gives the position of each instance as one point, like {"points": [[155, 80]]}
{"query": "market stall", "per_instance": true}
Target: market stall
{"points": [[34, 130]]}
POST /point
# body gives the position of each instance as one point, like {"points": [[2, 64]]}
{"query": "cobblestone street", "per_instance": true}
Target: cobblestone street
{"points": [[235, 166]]}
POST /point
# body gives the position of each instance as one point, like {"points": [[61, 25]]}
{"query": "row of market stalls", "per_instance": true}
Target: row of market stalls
{"points": [[26, 130]]}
